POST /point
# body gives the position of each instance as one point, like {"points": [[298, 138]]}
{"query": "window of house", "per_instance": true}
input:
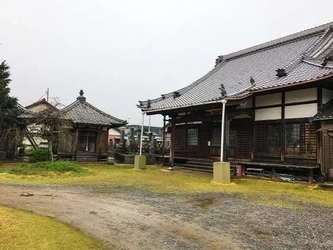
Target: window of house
{"points": [[232, 138], [192, 137], [301, 139], [216, 137], [268, 138], [293, 138], [274, 138]]}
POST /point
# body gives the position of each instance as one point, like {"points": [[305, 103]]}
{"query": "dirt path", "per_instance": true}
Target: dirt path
{"points": [[134, 219]]}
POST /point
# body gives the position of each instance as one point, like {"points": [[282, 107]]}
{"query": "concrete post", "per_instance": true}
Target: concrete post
{"points": [[139, 161], [221, 172]]}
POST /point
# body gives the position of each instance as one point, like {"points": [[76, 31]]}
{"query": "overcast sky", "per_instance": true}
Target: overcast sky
{"points": [[123, 51]]}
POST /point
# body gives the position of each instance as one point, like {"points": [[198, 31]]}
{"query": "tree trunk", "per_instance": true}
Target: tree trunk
{"points": [[51, 150]]}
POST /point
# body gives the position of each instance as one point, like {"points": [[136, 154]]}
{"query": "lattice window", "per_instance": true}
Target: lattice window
{"points": [[232, 142], [308, 139], [301, 139], [261, 137], [192, 137], [216, 137], [293, 138], [232, 138], [268, 138]]}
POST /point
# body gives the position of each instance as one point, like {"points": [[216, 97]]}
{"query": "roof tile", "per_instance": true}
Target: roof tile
{"points": [[292, 53], [82, 112]]}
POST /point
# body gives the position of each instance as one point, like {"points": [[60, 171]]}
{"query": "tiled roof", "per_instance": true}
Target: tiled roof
{"points": [[303, 56], [326, 113], [24, 112], [40, 102], [82, 112]]}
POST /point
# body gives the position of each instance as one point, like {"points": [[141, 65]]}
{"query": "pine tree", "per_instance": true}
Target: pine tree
{"points": [[8, 105]]}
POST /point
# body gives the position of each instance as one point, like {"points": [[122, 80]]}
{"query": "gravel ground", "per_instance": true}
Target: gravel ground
{"points": [[125, 218]]}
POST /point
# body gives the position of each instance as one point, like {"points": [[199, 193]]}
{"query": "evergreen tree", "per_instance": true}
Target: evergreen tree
{"points": [[8, 105]]}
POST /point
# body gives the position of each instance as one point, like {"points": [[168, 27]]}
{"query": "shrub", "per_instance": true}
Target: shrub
{"points": [[39, 155], [45, 167]]}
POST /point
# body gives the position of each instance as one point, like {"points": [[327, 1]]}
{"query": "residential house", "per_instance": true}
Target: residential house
{"points": [[278, 102], [32, 138], [115, 135]]}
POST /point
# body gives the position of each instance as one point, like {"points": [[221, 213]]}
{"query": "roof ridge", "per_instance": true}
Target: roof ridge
{"points": [[317, 64], [275, 42], [193, 84], [69, 109], [316, 48], [293, 63], [71, 106]]}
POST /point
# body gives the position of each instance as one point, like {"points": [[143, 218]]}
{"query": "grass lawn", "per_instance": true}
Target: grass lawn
{"points": [[175, 182], [25, 230]]}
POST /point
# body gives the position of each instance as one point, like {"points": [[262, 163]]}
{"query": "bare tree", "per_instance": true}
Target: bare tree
{"points": [[50, 124]]}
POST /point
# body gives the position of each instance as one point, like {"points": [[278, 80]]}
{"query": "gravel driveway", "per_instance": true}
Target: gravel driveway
{"points": [[125, 218]]}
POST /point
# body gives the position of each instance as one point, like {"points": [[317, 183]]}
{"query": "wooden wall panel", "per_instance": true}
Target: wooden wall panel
{"points": [[180, 141], [327, 153], [205, 134], [102, 142]]}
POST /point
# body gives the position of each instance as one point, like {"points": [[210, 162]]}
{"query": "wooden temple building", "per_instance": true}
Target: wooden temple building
{"points": [[85, 131], [279, 110]]}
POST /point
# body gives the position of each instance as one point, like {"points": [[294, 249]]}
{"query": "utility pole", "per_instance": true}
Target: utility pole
{"points": [[47, 94]]}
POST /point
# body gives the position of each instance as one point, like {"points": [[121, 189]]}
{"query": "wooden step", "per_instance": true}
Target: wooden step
{"points": [[86, 158], [201, 167]]}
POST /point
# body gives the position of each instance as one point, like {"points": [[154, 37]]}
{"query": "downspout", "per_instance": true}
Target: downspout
{"points": [[224, 101]]}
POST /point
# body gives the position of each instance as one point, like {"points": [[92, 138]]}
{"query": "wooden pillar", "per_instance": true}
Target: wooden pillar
{"points": [[173, 137], [320, 138], [254, 127], [75, 143], [226, 137], [311, 175], [273, 172], [163, 140], [283, 128]]}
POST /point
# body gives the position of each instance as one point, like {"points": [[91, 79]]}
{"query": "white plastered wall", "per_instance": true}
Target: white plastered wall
{"points": [[302, 95], [268, 114], [300, 111], [266, 100]]}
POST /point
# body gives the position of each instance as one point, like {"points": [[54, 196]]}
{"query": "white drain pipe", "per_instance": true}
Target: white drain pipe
{"points": [[224, 101]]}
